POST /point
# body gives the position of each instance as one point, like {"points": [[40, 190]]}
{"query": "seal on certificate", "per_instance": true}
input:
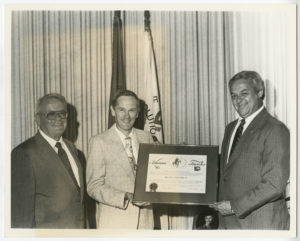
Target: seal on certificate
{"points": [[153, 186]]}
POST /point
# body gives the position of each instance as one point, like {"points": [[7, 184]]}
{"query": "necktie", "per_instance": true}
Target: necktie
{"points": [[238, 134], [65, 160], [129, 151]]}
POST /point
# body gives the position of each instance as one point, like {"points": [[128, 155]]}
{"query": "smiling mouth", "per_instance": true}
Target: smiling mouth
{"points": [[240, 106]]}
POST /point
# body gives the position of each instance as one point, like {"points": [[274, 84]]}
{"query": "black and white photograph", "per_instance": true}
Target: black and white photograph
{"points": [[139, 120]]}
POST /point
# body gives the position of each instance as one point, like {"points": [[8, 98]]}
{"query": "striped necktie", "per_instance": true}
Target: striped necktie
{"points": [[238, 135], [129, 151], [65, 160]]}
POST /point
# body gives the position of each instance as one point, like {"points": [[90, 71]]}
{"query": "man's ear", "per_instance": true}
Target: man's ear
{"points": [[260, 93], [37, 119], [113, 113]]}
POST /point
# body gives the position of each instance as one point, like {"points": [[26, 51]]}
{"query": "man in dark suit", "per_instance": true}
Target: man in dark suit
{"points": [[255, 162], [47, 186]]}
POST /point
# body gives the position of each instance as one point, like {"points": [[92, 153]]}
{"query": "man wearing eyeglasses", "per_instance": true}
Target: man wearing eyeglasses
{"points": [[47, 187]]}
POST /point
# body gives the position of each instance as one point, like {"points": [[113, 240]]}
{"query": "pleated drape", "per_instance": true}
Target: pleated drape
{"points": [[190, 55], [196, 53], [65, 52], [270, 53], [70, 53]]}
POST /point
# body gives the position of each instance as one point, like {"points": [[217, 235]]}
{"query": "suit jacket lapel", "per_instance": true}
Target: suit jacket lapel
{"points": [[80, 170], [228, 137], [118, 147], [251, 129], [47, 153], [141, 137]]}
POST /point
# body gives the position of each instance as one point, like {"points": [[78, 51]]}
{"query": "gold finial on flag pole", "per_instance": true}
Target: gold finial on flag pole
{"points": [[117, 17], [147, 20]]}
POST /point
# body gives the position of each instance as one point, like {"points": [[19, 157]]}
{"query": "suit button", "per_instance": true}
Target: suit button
{"points": [[225, 179]]}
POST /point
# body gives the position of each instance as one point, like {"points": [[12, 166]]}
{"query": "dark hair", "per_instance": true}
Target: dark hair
{"points": [[41, 101], [254, 77], [124, 93]]}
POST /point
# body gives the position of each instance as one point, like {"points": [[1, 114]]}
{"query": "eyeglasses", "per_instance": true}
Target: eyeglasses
{"points": [[53, 115]]}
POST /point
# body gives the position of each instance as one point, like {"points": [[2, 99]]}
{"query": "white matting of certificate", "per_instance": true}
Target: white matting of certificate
{"points": [[175, 173]]}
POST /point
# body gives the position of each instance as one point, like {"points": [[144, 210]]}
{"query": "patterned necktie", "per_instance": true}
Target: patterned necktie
{"points": [[65, 160], [238, 135], [129, 151]]}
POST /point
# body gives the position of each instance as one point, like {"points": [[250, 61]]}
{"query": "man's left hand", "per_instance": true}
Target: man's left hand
{"points": [[224, 207]]}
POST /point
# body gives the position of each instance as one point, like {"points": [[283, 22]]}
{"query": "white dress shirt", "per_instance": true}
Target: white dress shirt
{"points": [[133, 140], [52, 143], [248, 120], [134, 149]]}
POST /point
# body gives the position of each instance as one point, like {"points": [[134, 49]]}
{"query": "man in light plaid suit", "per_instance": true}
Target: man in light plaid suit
{"points": [[111, 169]]}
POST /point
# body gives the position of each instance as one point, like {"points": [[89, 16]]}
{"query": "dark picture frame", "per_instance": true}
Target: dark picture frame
{"points": [[188, 198]]}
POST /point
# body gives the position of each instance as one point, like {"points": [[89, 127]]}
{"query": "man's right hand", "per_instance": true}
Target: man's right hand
{"points": [[128, 196]]}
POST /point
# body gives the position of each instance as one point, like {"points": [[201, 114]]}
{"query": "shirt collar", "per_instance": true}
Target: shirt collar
{"points": [[50, 140]]}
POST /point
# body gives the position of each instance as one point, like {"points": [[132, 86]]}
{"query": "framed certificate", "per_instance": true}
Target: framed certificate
{"points": [[177, 174]]}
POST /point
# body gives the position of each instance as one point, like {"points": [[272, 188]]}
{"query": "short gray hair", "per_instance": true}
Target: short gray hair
{"points": [[44, 99], [254, 77], [124, 93]]}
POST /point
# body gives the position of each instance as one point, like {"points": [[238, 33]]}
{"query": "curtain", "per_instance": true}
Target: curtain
{"points": [[190, 51], [67, 52], [262, 44], [196, 52], [192, 74]]}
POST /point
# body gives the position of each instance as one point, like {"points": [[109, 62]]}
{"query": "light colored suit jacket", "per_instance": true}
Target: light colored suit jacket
{"points": [[109, 176], [255, 177], [44, 195]]}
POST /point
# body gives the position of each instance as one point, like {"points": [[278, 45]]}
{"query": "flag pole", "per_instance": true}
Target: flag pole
{"points": [[118, 78], [152, 82], [153, 115]]}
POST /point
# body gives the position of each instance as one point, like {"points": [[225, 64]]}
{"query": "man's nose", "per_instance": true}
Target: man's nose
{"points": [[126, 115], [238, 99], [59, 117]]}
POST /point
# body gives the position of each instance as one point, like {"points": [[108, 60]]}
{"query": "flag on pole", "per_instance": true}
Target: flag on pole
{"points": [[153, 117], [118, 80]]}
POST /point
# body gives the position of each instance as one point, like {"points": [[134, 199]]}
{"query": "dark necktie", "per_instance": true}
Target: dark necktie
{"points": [[65, 160], [238, 135], [129, 151]]}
